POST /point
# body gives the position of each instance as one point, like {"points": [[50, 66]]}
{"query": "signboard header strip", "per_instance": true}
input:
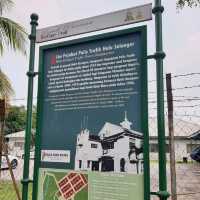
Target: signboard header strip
{"points": [[101, 22]]}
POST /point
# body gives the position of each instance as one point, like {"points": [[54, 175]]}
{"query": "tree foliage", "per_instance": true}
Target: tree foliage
{"points": [[190, 3], [12, 35], [16, 119], [6, 90]]}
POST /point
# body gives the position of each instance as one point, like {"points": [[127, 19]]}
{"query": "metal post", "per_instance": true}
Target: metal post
{"points": [[159, 56], [30, 74], [2, 124], [171, 136]]}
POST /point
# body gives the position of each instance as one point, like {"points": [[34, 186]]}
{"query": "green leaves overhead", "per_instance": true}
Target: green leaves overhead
{"points": [[6, 90], [12, 35], [5, 5], [16, 119], [190, 3]]}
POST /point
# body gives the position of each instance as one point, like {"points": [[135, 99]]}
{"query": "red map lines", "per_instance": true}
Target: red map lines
{"points": [[71, 184]]}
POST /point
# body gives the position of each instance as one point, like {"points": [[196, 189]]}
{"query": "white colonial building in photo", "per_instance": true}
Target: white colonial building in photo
{"points": [[116, 148]]}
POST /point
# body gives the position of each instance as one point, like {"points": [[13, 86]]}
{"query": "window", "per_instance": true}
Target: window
{"points": [[191, 147], [154, 148], [131, 145], [108, 145], [19, 144], [95, 146], [80, 164], [88, 164]]}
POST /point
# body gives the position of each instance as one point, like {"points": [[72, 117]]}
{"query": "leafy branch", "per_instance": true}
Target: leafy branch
{"points": [[191, 3]]}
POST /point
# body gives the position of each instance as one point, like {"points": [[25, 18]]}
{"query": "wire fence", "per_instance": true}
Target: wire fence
{"points": [[187, 170], [186, 122]]}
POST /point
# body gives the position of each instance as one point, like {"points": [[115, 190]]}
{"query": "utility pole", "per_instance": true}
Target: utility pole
{"points": [[171, 136]]}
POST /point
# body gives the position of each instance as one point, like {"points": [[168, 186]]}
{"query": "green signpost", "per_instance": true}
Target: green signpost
{"points": [[92, 137]]}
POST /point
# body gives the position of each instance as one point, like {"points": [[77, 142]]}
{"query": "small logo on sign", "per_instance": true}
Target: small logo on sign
{"points": [[130, 16], [55, 156], [53, 60]]}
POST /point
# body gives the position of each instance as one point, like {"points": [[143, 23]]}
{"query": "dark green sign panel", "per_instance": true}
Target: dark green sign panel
{"points": [[92, 119]]}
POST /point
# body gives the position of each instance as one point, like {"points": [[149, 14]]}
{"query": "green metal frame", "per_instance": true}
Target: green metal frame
{"points": [[144, 100], [25, 181], [159, 56]]}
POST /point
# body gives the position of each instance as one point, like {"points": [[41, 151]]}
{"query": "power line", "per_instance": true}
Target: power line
{"points": [[187, 115], [192, 106], [188, 97], [181, 88], [177, 100], [179, 75], [188, 74], [187, 87]]}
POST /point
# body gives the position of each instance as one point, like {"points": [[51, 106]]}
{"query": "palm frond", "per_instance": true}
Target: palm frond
{"points": [[12, 35], [5, 5], [6, 90], [191, 3]]}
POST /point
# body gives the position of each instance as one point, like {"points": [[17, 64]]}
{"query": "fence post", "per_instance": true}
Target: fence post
{"points": [[30, 74], [171, 136]]}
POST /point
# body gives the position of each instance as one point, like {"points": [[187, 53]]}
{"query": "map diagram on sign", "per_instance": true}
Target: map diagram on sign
{"points": [[71, 186]]}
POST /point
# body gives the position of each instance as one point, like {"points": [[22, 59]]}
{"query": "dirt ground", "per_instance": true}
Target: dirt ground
{"points": [[188, 180]]}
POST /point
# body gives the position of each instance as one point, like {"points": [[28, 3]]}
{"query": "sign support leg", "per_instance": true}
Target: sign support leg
{"points": [[30, 74], [159, 56]]}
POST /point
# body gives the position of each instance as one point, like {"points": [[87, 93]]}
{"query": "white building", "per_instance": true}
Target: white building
{"points": [[183, 143], [16, 143], [116, 148]]}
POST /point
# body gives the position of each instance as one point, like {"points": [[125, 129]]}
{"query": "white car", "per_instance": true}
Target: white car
{"points": [[13, 161]]}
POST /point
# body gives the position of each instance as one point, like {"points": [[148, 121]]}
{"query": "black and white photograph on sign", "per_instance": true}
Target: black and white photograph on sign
{"points": [[116, 148]]}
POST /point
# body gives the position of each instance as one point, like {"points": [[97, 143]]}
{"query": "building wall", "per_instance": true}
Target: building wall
{"points": [[16, 146], [119, 152], [85, 152], [182, 149]]}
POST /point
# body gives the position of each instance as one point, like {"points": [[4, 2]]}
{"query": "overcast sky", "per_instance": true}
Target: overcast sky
{"points": [[181, 34]]}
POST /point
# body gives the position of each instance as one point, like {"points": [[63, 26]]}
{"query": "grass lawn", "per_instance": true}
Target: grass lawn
{"points": [[7, 191]]}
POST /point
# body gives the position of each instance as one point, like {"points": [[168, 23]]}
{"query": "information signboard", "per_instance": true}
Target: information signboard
{"points": [[100, 22], [92, 118]]}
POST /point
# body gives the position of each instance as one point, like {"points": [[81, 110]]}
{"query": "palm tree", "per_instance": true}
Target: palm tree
{"points": [[12, 36], [6, 90], [190, 3], [11, 33]]}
